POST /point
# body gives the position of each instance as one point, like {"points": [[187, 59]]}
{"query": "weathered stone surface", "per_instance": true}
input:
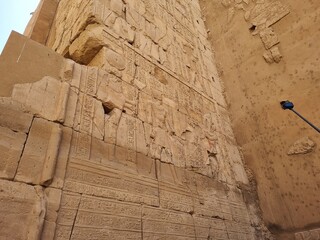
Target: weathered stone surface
{"points": [[53, 92], [253, 91], [11, 146], [22, 209], [52, 198], [15, 61], [40, 155], [39, 25], [88, 44], [302, 146], [13, 117], [312, 234], [138, 142], [269, 38], [268, 13]]}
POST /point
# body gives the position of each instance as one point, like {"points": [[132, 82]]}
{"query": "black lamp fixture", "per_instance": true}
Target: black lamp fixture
{"points": [[287, 105]]}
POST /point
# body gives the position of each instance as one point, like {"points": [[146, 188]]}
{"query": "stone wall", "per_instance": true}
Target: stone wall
{"points": [[268, 51], [132, 140]]}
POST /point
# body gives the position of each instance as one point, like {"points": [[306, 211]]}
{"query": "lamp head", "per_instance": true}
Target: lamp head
{"points": [[286, 105]]}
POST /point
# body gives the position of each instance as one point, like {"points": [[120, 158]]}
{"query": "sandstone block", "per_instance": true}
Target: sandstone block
{"points": [[53, 92], [82, 178], [269, 38], [88, 44], [276, 55], [22, 210], [123, 29], [39, 159], [11, 146], [163, 223], [268, 13], [52, 197], [13, 117], [117, 7], [175, 192]]}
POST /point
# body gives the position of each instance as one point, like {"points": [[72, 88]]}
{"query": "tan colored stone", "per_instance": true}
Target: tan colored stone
{"points": [[39, 25], [22, 209], [15, 61], [268, 13], [117, 7], [122, 28], [268, 57], [144, 146], [115, 59], [269, 38], [276, 55], [39, 159], [13, 117], [52, 197], [11, 147], [111, 125], [88, 44], [53, 92], [302, 146]]}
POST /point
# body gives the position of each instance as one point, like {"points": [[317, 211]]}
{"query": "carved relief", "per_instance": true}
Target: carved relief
{"points": [[261, 15], [129, 142]]}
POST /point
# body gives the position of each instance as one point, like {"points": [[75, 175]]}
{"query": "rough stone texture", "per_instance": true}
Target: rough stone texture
{"points": [[288, 185], [22, 209], [54, 95], [312, 235], [39, 25], [137, 143], [302, 146], [11, 146], [15, 61]]}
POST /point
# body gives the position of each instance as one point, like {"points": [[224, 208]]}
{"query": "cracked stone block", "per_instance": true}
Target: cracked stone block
{"points": [[269, 38], [11, 146], [52, 198], [54, 95], [22, 210], [13, 117], [164, 223], [41, 152]]}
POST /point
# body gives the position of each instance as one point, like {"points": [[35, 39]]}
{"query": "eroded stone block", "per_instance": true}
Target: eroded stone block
{"points": [[13, 117], [11, 146], [40, 155], [22, 210], [53, 95], [302, 146], [268, 13], [163, 223], [52, 197], [269, 37]]}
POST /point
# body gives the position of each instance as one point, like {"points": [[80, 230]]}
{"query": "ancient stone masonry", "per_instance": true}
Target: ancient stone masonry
{"points": [[132, 141], [280, 150], [261, 15]]}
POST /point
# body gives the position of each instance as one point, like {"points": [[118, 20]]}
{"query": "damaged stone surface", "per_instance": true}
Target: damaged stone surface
{"points": [[133, 140], [287, 185], [261, 15], [22, 209], [302, 146]]}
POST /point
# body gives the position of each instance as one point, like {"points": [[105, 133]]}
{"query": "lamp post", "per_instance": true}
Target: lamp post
{"points": [[287, 105]]}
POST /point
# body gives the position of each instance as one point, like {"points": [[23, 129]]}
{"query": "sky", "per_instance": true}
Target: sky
{"points": [[14, 15]]}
